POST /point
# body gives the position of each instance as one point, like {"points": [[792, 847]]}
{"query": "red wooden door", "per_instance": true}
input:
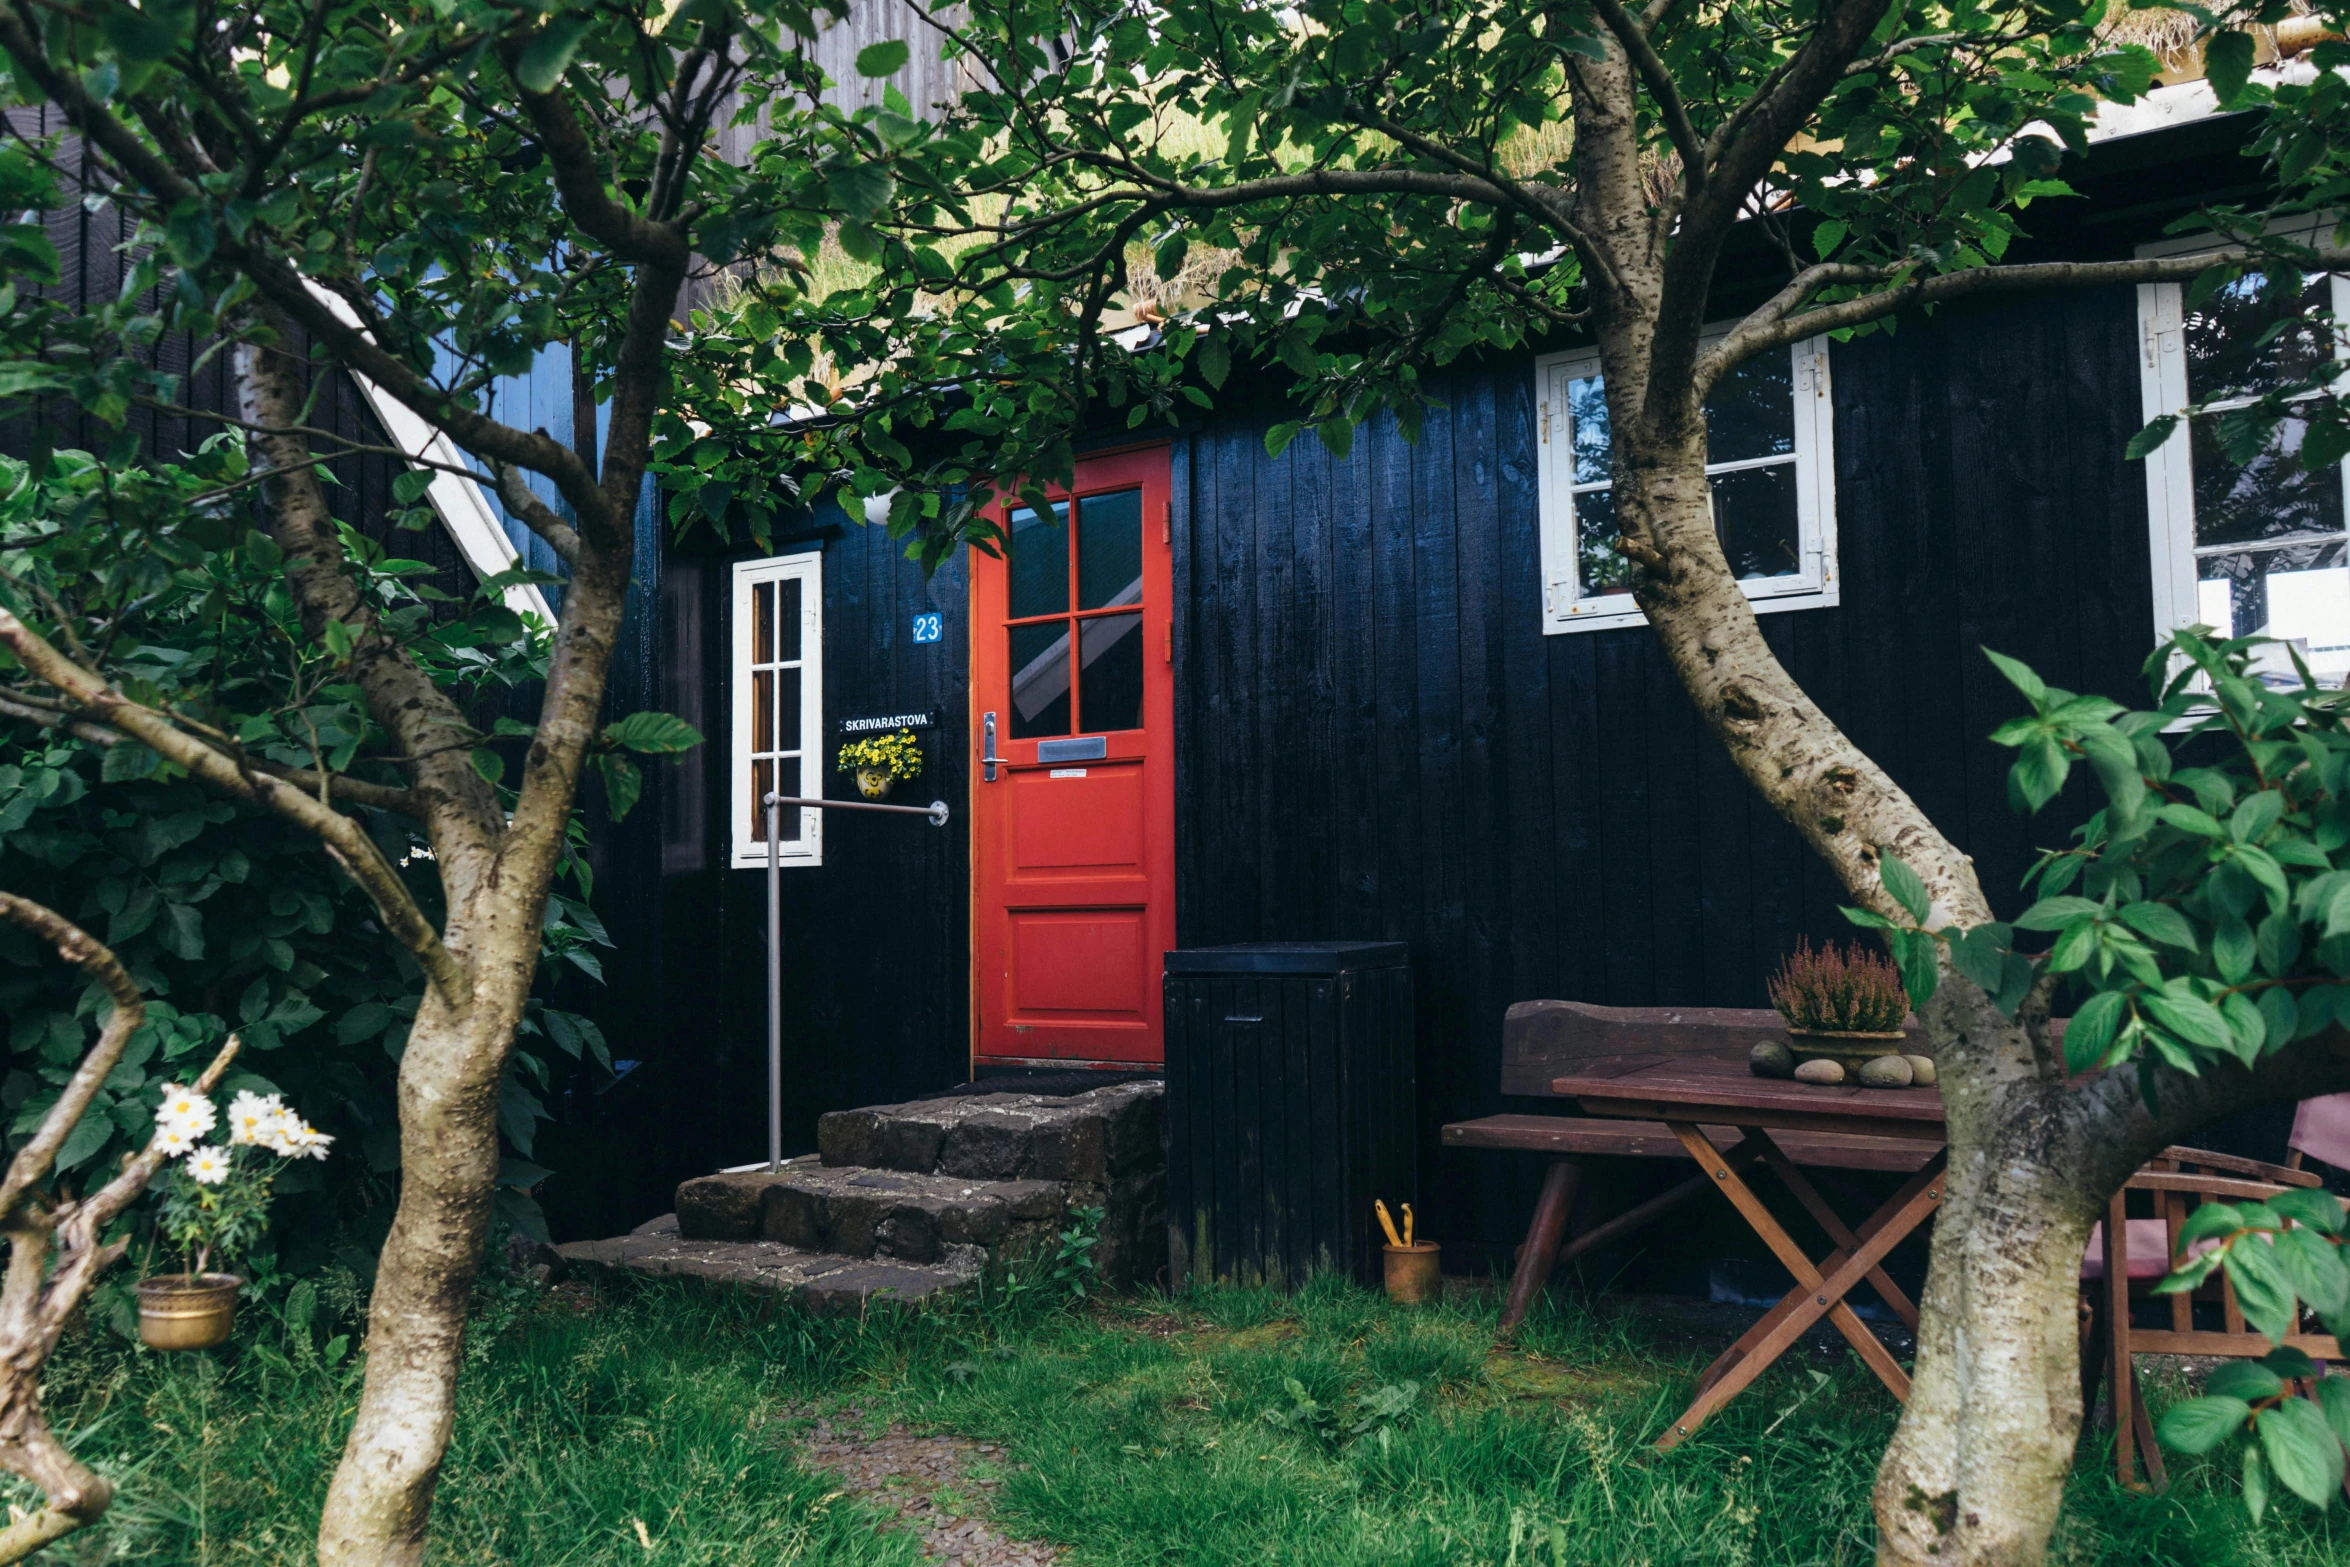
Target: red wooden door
{"points": [[1073, 842]]}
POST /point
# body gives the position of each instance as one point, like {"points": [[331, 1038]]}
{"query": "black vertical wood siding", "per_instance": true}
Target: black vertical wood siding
{"points": [[876, 940], [1376, 739]]}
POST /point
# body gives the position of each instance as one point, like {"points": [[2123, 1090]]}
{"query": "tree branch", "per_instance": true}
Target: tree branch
{"points": [[536, 514], [343, 837], [1661, 87], [383, 797], [1775, 325]]}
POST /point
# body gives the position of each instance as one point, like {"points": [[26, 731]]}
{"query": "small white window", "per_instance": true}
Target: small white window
{"points": [[778, 675], [2258, 547], [1770, 459]]}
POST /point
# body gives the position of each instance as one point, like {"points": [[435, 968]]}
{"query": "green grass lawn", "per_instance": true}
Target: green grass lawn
{"points": [[657, 1427]]}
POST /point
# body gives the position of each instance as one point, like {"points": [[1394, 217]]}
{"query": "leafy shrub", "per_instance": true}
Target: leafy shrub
{"points": [[226, 915], [1839, 990]]}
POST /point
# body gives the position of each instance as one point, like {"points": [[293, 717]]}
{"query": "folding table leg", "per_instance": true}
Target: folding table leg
{"points": [[1814, 1296], [1817, 1206], [1540, 1253]]}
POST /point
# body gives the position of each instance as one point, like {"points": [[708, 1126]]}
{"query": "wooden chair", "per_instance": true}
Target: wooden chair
{"points": [[1545, 1040], [2127, 1254]]}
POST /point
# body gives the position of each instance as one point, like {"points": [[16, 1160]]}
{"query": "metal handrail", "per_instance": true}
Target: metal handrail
{"points": [[936, 811]]}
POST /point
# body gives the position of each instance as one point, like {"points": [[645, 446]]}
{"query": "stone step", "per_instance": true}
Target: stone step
{"points": [[823, 1282], [859, 1212], [1089, 1138]]}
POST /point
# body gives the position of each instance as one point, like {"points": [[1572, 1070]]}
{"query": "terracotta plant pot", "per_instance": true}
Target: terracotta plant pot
{"points": [[875, 783], [1412, 1276], [187, 1310], [1846, 1050]]}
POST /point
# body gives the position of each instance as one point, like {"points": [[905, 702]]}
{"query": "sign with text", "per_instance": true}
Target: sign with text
{"points": [[929, 627], [881, 723]]}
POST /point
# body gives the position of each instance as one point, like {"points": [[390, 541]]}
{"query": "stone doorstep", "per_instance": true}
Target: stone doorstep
{"points": [[914, 1218], [999, 1137], [821, 1281], [865, 1213]]}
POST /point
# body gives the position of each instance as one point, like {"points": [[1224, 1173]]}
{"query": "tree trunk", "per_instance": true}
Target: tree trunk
{"points": [[1976, 1471], [381, 1499]]}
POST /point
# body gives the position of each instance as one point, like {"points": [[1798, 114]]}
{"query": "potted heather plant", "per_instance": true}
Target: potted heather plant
{"points": [[215, 1202], [882, 762], [1842, 1004]]}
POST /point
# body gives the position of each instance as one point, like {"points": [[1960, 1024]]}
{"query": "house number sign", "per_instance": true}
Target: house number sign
{"points": [[928, 628]]}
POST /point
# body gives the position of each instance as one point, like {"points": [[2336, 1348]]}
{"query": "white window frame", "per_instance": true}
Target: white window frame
{"points": [[749, 849], [2170, 472], [1566, 609]]}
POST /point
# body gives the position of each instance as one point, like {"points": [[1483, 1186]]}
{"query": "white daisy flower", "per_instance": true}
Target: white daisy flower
{"points": [[208, 1166], [249, 1113], [314, 1142], [188, 1110], [173, 1140]]}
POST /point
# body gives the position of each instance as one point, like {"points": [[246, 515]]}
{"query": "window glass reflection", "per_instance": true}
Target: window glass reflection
{"points": [[1040, 680], [1039, 561], [1109, 679], [1109, 550]]}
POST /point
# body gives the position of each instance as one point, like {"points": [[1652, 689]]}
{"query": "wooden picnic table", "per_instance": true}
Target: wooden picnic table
{"points": [[1689, 1092]]}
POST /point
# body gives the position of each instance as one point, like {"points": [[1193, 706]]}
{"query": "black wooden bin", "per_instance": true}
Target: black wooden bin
{"points": [[1289, 1107]]}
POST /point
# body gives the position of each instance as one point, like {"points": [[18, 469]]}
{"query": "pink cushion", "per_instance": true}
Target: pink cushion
{"points": [[2321, 1129], [2149, 1245]]}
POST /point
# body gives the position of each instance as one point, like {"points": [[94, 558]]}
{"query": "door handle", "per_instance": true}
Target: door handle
{"points": [[988, 758]]}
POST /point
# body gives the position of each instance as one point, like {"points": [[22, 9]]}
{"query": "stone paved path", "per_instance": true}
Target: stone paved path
{"points": [[933, 1484]]}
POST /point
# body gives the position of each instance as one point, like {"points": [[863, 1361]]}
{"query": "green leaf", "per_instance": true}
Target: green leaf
{"points": [[409, 486], [2261, 1287], [1906, 885], [2255, 1482], [654, 734], [2210, 1220], [2192, 1019], [1917, 954], [2227, 64], [2314, 1268], [2333, 1401], [886, 58], [1215, 359], [488, 763], [861, 190], [2247, 1380], [623, 784], [2090, 1034], [2197, 1425], [2151, 439], [2302, 1450], [2021, 676], [2057, 913], [1981, 955], [2232, 949], [2159, 922], [127, 760], [550, 54], [2319, 1210]]}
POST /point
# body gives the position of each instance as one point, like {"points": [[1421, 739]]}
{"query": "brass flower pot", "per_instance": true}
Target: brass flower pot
{"points": [[1412, 1276], [875, 783], [187, 1310], [1847, 1050]]}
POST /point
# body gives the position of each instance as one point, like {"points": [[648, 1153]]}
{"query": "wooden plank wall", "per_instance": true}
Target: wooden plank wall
{"points": [[1377, 740], [876, 952]]}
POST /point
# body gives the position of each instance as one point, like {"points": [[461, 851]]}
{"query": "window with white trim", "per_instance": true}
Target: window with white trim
{"points": [[1770, 462], [2258, 547], [778, 676]]}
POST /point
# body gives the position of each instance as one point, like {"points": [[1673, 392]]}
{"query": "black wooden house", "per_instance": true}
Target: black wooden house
{"points": [[1386, 696]]}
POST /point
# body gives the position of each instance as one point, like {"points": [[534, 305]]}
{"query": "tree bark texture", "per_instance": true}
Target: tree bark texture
{"points": [[379, 1505]]}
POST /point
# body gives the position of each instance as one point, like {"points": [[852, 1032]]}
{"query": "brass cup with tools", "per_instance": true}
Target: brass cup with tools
{"points": [[1413, 1276]]}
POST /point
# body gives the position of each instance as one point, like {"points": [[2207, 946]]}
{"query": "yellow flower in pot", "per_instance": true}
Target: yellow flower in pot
{"points": [[882, 762], [215, 1203]]}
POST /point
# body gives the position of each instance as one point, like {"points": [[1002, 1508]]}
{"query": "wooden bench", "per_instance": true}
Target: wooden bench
{"points": [[1546, 1040]]}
